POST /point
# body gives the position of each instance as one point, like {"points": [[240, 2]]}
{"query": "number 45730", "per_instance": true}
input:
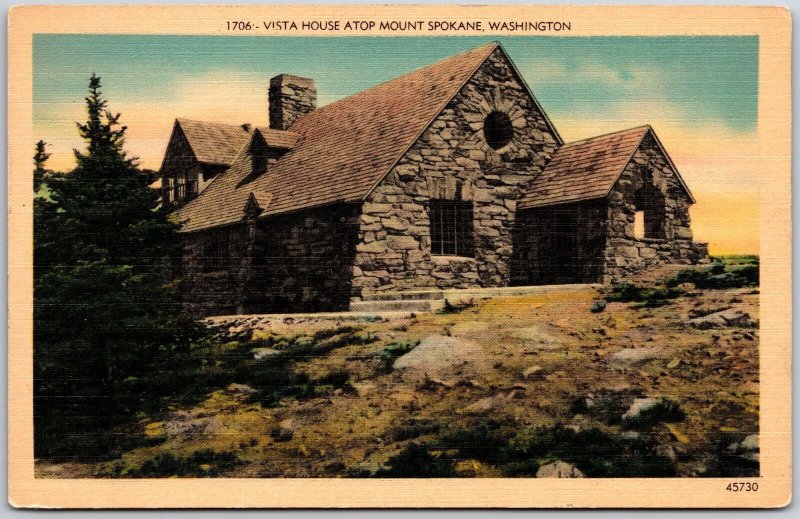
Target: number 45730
{"points": [[742, 487]]}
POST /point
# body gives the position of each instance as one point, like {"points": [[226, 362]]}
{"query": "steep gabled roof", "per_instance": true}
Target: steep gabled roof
{"points": [[350, 145], [588, 169], [213, 143], [218, 144], [344, 149]]}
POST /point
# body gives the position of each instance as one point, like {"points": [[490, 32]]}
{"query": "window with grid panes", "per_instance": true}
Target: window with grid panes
{"points": [[451, 228]]}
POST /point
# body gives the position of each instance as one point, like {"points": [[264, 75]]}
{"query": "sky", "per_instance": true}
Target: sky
{"points": [[700, 94]]}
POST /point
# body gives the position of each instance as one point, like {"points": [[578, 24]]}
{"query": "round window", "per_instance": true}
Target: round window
{"points": [[497, 130]]}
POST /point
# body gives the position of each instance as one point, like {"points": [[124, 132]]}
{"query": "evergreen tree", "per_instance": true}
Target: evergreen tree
{"points": [[39, 165], [101, 310]]}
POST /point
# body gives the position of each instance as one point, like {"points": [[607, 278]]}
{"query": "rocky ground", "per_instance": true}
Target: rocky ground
{"points": [[555, 385]]}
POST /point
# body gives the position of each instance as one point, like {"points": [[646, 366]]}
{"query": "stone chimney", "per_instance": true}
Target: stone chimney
{"points": [[290, 97]]}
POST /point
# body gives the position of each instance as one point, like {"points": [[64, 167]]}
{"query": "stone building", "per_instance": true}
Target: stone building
{"points": [[451, 176]]}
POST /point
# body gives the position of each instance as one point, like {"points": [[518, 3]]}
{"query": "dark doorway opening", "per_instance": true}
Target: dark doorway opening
{"points": [[561, 244]]}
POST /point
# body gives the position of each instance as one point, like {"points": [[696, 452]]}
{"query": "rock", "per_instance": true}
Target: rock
{"points": [[241, 388], [750, 443], [467, 468], [751, 456], [559, 469], [469, 329], [284, 432], [638, 406], [263, 353], [441, 357], [535, 336], [532, 372], [364, 388], [634, 355], [724, 318], [630, 435], [666, 451], [673, 363]]}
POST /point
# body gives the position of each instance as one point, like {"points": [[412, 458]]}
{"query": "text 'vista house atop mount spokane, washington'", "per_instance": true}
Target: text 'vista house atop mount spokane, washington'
{"points": [[451, 176]]}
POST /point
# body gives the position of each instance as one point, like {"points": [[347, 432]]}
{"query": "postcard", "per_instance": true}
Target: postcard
{"points": [[399, 256]]}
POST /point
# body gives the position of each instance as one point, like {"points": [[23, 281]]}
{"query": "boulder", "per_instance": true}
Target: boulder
{"points": [[241, 388], [263, 353], [749, 444], [441, 357], [638, 406], [723, 319], [284, 432], [666, 451], [559, 469], [532, 372]]}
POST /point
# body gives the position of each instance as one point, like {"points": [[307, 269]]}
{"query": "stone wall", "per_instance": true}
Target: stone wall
{"points": [[625, 253], [299, 262], [452, 160], [207, 290], [304, 261], [560, 244]]}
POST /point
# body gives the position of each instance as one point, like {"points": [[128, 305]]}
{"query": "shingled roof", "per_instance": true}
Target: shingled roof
{"points": [[587, 169], [344, 148], [213, 143]]}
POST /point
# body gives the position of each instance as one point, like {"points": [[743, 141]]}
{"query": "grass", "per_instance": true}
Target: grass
{"points": [[200, 464], [644, 297], [386, 356]]}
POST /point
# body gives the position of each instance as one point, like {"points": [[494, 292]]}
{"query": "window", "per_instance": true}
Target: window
{"points": [[185, 186], [638, 225], [497, 130], [180, 186], [216, 253], [649, 201], [451, 228], [166, 190], [191, 185]]}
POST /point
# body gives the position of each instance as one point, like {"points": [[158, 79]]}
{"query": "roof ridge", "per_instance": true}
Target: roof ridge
{"points": [[490, 47], [187, 119], [608, 134]]}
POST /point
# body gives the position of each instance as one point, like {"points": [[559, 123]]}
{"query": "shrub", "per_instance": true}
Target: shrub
{"points": [[450, 308], [594, 452], [416, 462], [598, 306], [718, 276], [645, 297], [414, 428], [482, 441], [387, 355]]}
